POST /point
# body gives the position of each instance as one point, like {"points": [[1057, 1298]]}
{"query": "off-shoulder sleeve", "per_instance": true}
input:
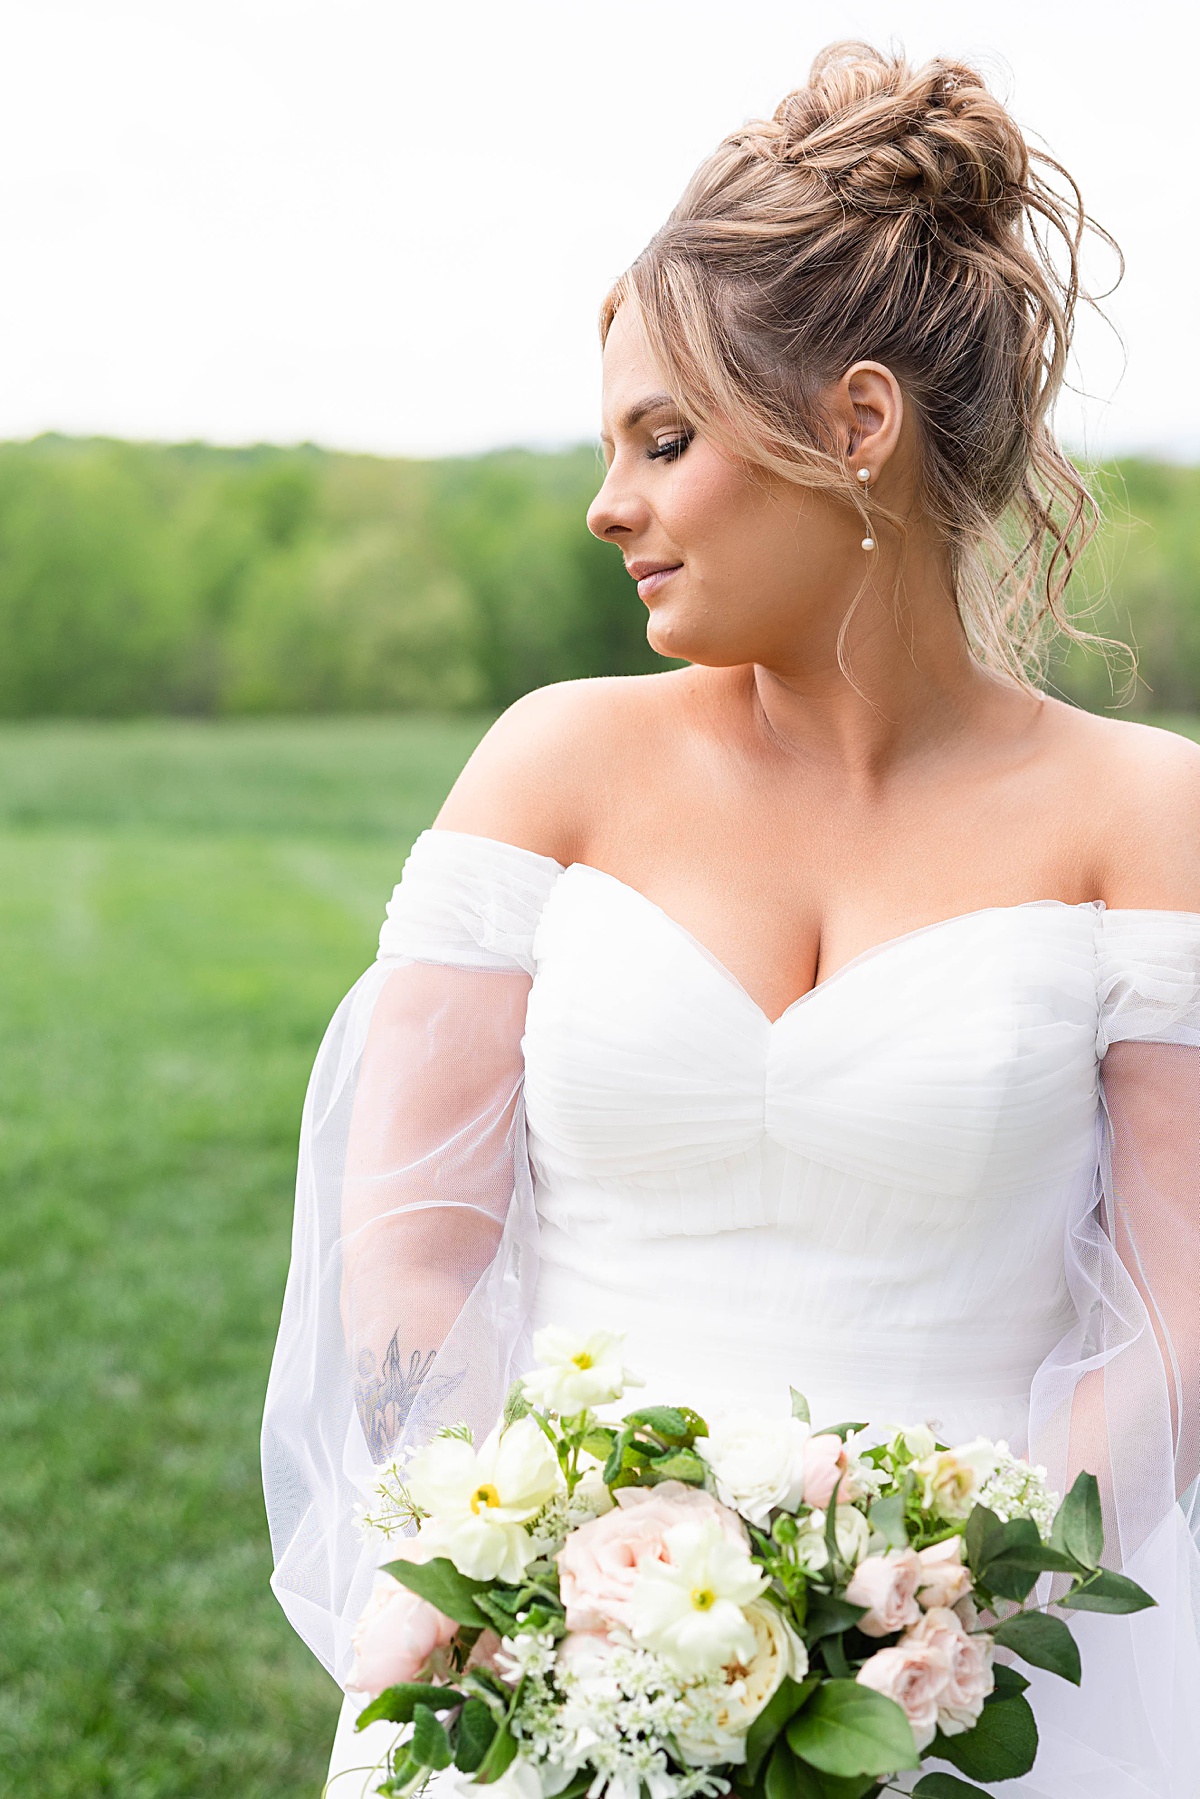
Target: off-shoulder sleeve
{"points": [[415, 1238], [1120, 1395]]}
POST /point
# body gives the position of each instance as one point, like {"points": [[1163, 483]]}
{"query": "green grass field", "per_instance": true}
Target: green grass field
{"points": [[181, 907]]}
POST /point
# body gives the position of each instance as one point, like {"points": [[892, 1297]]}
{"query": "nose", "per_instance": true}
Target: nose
{"points": [[617, 511]]}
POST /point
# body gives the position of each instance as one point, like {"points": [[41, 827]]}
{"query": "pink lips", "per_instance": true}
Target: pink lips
{"points": [[650, 577]]}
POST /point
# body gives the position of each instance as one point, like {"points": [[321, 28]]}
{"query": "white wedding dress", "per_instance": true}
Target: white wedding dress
{"points": [[959, 1181]]}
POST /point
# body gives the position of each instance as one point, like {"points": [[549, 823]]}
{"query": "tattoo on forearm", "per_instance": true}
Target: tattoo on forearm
{"points": [[384, 1396]]}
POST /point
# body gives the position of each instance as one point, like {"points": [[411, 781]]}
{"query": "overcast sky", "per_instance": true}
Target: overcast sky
{"points": [[387, 226]]}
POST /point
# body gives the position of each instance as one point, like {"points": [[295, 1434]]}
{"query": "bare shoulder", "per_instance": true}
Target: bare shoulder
{"points": [[1142, 793], [554, 762]]}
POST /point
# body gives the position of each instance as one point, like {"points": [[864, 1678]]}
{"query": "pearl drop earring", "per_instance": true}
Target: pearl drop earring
{"points": [[864, 475]]}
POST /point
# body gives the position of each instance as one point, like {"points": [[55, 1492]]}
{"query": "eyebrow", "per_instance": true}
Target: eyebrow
{"points": [[637, 412]]}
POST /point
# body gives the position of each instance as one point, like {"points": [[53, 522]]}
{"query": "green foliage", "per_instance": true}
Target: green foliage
{"points": [[141, 578], [149, 578], [440, 1582], [847, 1729]]}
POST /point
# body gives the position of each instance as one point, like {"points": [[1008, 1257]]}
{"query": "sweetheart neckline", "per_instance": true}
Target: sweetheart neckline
{"points": [[866, 955]]}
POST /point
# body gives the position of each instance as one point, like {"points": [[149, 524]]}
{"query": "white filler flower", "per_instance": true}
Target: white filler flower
{"points": [[758, 1462], [479, 1501], [689, 1609], [576, 1372]]}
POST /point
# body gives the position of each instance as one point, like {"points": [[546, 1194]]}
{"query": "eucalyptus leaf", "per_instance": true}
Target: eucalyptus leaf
{"points": [[1108, 1592], [440, 1582], [1041, 1641], [1078, 1527], [476, 1728], [847, 1728], [1002, 1744], [800, 1407]]}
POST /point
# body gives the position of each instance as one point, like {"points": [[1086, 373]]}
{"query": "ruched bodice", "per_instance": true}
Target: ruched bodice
{"points": [[867, 1197]]}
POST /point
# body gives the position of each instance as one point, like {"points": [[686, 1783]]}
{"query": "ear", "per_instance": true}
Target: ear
{"points": [[868, 411]]}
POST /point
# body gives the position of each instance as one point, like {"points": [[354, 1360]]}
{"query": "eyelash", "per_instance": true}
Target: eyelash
{"points": [[672, 451]]}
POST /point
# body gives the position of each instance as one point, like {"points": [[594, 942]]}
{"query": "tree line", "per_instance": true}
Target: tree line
{"points": [[147, 578]]}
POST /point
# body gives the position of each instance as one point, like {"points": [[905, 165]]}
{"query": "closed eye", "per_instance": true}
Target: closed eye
{"points": [[671, 451]]}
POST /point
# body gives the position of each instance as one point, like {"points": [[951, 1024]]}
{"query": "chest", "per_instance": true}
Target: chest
{"points": [[958, 1058]]}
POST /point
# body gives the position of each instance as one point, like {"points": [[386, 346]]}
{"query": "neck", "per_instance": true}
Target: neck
{"points": [[913, 686]]}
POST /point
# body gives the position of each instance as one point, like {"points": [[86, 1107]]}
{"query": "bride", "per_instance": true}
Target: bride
{"points": [[824, 1011]]}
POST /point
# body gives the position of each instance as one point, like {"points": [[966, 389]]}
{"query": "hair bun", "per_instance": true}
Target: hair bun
{"points": [[887, 138]]}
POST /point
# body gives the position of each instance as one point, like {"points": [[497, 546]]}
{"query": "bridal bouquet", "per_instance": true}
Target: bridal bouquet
{"points": [[645, 1607]]}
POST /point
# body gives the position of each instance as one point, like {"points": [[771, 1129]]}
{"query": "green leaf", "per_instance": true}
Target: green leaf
{"points": [[946, 1786], [781, 1782], [1002, 1744], [612, 1467], [847, 1728], [501, 1753], [1041, 1641], [1009, 1682], [887, 1517], [982, 1538], [840, 1430], [680, 1464], [516, 1405], [827, 1615], [430, 1745], [664, 1420], [1078, 1526], [1017, 1556], [599, 1442], [476, 1728], [1108, 1592], [783, 1704], [800, 1407], [443, 1586], [398, 1703]]}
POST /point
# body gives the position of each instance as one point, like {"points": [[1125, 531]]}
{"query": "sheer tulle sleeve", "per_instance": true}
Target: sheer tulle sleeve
{"points": [[1121, 1395], [415, 1240]]}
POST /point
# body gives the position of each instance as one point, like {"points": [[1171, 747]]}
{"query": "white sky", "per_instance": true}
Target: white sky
{"points": [[387, 226]]}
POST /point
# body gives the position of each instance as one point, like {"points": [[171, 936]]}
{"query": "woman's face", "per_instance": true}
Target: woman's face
{"points": [[733, 565]]}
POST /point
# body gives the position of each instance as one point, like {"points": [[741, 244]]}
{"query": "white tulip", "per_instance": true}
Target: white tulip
{"points": [[689, 1609], [479, 1501], [577, 1371]]}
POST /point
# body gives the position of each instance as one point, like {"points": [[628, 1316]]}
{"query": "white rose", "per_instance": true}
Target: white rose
{"points": [[758, 1462], [689, 1609], [721, 1710], [577, 1371], [852, 1531], [479, 1501], [951, 1478]]}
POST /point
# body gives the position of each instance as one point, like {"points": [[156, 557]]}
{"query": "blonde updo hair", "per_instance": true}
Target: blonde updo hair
{"points": [[892, 214]]}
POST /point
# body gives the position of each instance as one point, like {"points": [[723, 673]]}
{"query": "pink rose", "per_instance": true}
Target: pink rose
{"points": [[914, 1675], [599, 1562], [825, 1467], [944, 1580], [395, 1637], [887, 1584], [969, 1677]]}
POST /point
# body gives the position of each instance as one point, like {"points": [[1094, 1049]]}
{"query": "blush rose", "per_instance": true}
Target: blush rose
{"points": [[599, 1562]]}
